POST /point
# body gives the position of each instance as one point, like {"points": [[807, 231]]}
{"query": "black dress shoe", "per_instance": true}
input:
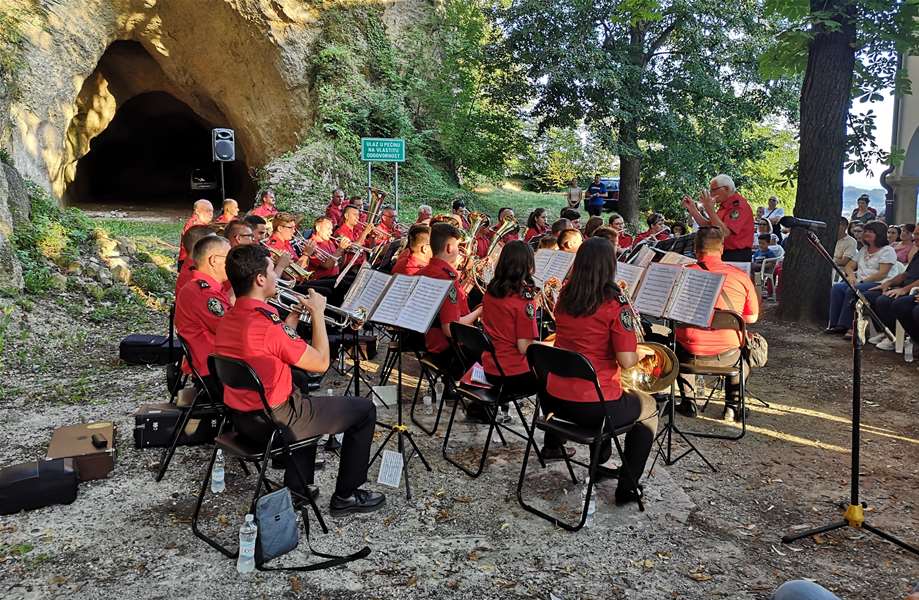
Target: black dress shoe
{"points": [[835, 330], [687, 408], [313, 493], [557, 453], [606, 473], [361, 501], [627, 495], [332, 444]]}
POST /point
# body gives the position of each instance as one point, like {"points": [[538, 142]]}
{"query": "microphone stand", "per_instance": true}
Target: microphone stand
{"points": [[855, 512]]}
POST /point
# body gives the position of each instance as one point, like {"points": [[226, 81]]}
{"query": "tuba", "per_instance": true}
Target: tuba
{"points": [[654, 373]]}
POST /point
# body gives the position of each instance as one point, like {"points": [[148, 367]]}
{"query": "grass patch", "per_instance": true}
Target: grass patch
{"points": [[167, 233], [492, 198], [15, 549]]}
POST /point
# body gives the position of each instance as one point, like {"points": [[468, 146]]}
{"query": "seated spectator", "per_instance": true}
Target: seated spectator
{"points": [[870, 267], [856, 230], [764, 249], [903, 245], [846, 246], [892, 297], [863, 213]]}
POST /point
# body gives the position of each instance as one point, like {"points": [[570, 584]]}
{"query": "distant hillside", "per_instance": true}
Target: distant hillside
{"points": [[850, 195]]}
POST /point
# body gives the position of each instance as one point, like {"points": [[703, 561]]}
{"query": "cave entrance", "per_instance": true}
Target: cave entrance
{"points": [[146, 156]]}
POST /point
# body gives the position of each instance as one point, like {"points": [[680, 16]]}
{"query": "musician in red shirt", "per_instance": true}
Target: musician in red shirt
{"points": [[425, 212], [266, 208], [387, 226], [729, 211], [459, 209], [570, 240], [189, 239], [326, 261], [719, 348], [656, 229], [418, 253], [624, 240], [536, 224], [353, 230], [284, 226], [203, 215], [253, 332], [445, 240], [230, 212], [509, 319], [201, 304], [333, 210], [591, 318]]}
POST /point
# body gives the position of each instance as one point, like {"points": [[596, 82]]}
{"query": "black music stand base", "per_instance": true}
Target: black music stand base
{"points": [[855, 513], [401, 432], [355, 369], [667, 432]]}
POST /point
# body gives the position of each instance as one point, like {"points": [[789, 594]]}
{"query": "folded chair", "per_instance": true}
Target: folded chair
{"points": [[472, 342], [546, 360], [203, 405], [235, 373]]}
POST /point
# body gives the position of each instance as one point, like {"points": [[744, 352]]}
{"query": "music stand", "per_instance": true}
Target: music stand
{"points": [[855, 512]]}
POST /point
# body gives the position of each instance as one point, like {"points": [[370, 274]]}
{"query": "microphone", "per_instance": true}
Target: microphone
{"points": [[792, 222]]}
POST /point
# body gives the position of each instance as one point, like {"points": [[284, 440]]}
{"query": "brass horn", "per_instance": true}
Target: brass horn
{"points": [[654, 373]]}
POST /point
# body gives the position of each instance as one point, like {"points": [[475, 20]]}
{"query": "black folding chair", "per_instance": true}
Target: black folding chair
{"points": [[546, 360], [175, 378], [471, 342], [728, 321], [430, 373], [202, 406], [235, 373]]}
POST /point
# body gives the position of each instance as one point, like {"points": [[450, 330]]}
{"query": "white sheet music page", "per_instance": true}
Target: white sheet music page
{"points": [[360, 280], [655, 289], [630, 275], [552, 263], [672, 258], [388, 309], [694, 296], [372, 292], [423, 303], [643, 258]]}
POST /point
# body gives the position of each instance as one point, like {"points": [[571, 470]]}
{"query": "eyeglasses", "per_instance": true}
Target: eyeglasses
{"points": [[287, 226], [715, 189]]}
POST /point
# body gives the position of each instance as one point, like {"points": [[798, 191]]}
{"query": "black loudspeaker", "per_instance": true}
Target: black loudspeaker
{"points": [[223, 143]]}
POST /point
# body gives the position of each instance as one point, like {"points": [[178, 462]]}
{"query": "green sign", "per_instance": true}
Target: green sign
{"points": [[382, 150]]}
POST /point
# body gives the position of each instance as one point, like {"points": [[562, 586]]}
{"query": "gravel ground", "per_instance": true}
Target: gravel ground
{"points": [[704, 535]]}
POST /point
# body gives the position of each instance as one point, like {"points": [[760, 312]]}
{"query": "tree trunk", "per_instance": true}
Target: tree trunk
{"points": [[629, 179], [825, 100], [629, 153]]}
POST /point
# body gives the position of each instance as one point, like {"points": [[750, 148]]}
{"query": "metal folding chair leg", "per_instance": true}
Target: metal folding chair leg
{"points": [[491, 429], [431, 379]]}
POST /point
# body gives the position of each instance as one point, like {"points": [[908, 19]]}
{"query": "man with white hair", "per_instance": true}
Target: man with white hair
{"points": [[730, 212], [203, 215], [425, 213]]}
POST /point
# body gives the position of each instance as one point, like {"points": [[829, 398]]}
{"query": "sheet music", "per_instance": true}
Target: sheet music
{"points": [[552, 263], [388, 309], [655, 289], [643, 258], [372, 285], [423, 303], [672, 258], [630, 274], [693, 299]]}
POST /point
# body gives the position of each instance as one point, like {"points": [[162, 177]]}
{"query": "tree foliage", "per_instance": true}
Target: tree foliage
{"points": [[668, 85]]}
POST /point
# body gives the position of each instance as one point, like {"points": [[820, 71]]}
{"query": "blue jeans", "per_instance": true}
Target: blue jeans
{"points": [[841, 302], [802, 590]]}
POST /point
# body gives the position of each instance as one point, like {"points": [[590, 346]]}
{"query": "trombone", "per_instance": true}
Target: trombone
{"points": [[317, 251], [289, 300]]}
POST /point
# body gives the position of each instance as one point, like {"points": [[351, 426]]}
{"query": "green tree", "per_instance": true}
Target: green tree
{"points": [[768, 175], [670, 82], [847, 49]]}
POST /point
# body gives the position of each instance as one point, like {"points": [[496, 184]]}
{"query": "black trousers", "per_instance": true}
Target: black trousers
{"points": [[725, 359], [524, 384], [906, 310], [631, 407], [302, 418]]}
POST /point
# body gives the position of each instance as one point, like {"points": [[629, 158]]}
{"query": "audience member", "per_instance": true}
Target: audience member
{"points": [[846, 246], [903, 245], [862, 212]]}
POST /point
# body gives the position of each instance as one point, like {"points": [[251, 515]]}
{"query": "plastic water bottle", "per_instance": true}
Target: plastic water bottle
{"points": [[218, 474], [428, 405], [439, 390], [247, 533], [592, 505], [908, 350], [330, 392]]}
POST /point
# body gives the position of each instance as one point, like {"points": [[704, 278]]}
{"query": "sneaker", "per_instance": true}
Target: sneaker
{"points": [[886, 345], [877, 339], [732, 413], [361, 501]]}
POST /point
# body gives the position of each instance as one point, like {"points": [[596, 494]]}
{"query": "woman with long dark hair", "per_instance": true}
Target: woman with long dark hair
{"points": [[537, 224], [591, 318], [509, 319]]}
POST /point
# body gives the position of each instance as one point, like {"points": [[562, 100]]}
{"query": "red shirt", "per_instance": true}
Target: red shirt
{"points": [[661, 236], [185, 275], [744, 299], [200, 307], [191, 222], [454, 306], [392, 230], [352, 234], [408, 264], [507, 320], [333, 212], [315, 264], [625, 240], [598, 337], [224, 218], [283, 245], [253, 331], [736, 213], [264, 210], [534, 232]]}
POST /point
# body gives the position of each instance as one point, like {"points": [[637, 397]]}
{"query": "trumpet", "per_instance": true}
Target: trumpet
{"points": [[653, 373], [357, 247], [294, 270], [289, 300]]}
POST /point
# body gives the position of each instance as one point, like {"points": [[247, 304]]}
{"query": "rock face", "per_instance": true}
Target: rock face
{"points": [[240, 63], [10, 269]]}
